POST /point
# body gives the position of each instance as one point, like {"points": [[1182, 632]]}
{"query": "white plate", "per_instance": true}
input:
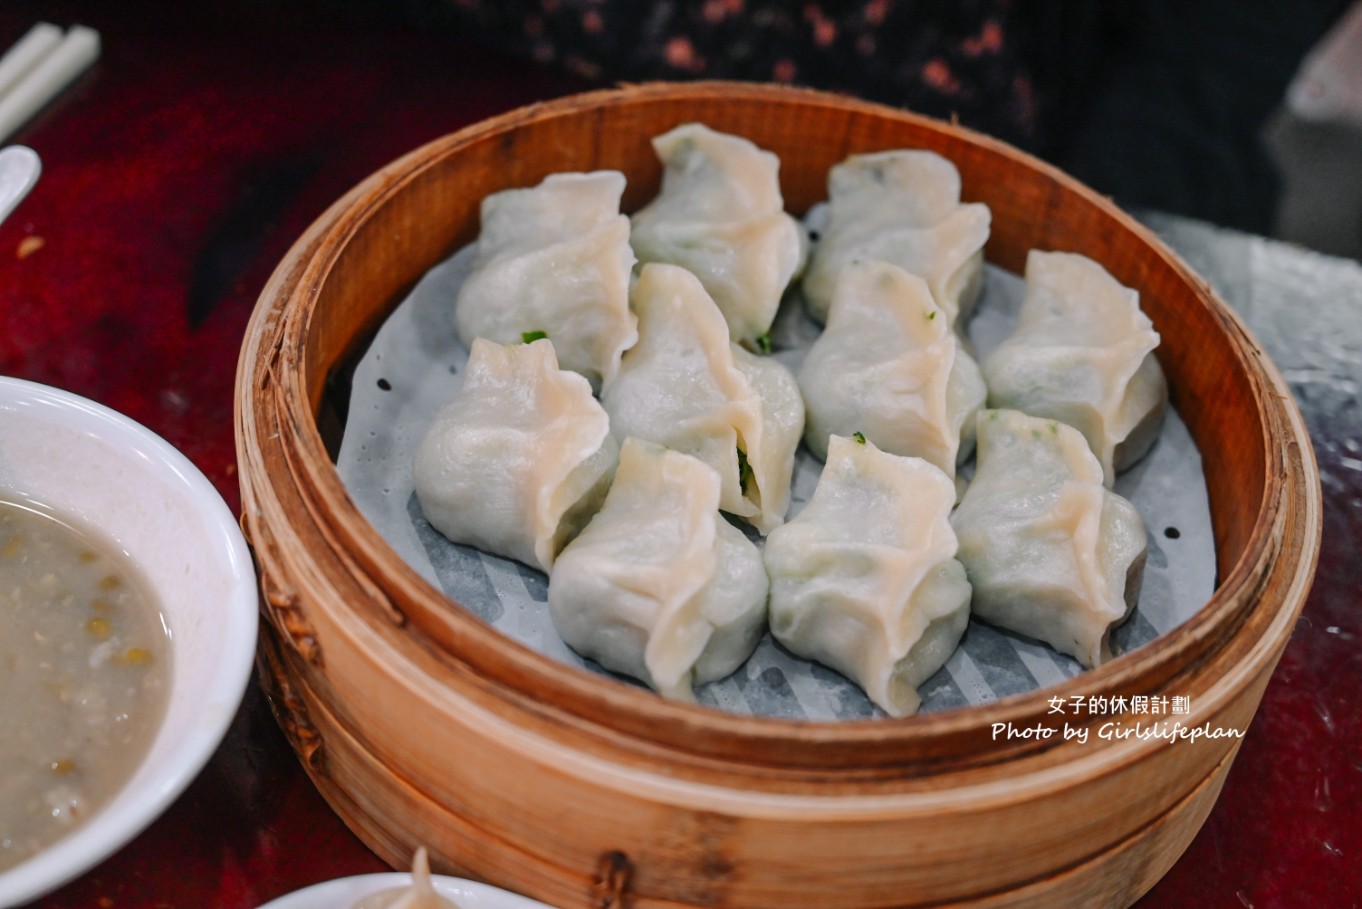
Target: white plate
{"points": [[344, 892]]}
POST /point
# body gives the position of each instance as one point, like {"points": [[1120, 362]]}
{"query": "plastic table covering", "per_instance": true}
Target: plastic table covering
{"points": [[178, 171]]}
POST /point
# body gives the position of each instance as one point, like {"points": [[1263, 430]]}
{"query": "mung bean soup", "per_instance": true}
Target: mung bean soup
{"points": [[84, 676]]}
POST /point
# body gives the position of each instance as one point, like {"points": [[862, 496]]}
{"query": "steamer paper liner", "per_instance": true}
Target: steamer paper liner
{"points": [[416, 362]]}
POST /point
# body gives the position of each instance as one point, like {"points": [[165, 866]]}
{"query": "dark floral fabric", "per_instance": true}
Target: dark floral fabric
{"points": [[1158, 103], [971, 59]]}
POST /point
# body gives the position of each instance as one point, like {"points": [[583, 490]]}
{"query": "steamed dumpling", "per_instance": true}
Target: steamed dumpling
{"points": [[659, 586], [865, 578], [554, 260], [902, 207], [685, 385], [519, 459], [721, 215], [419, 894], [1051, 552], [888, 366], [1082, 353]]}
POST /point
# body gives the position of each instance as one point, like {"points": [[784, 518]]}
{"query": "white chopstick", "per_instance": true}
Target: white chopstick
{"points": [[37, 43], [39, 68]]}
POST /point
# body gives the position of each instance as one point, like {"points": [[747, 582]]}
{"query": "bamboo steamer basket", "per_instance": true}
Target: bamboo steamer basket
{"points": [[423, 726]]}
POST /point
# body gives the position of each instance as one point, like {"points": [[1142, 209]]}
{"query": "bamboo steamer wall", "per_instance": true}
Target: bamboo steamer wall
{"points": [[423, 726]]}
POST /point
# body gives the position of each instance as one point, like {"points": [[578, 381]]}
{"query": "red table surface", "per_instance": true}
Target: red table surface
{"points": [[178, 172]]}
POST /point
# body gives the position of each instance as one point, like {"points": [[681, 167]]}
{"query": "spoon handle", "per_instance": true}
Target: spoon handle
{"points": [[19, 170]]}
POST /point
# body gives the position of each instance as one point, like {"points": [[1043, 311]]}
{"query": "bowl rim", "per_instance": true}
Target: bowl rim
{"points": [[329, 893], [121, 819], [1274, 555]]}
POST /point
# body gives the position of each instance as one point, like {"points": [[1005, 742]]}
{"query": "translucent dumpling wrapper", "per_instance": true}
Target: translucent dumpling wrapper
{"points": [[1051, 552], [687, 386], [1082, 353], [419, 894], [554, 261], [659, 586], [720, 215], [519, 459], [889, 366], [865, 578], [902, 207]]}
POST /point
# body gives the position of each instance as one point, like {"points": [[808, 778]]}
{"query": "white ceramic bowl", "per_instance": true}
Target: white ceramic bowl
{"points": [[342, 893], [101, 470]]}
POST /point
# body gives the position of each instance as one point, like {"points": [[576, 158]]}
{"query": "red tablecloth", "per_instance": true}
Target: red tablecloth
{"points": [[176, 175]]}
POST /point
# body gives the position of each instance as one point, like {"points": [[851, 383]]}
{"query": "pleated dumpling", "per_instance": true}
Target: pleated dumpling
{"points": [[1082, 353], [888, 366], [1051, 552], [865, 578], [902, 207], [519, 459], [721, 215], [554, 261], [659, 586], [419, 894], [685, 385]]}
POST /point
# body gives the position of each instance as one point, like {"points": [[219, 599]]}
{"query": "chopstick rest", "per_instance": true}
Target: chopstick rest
{"points": [[39, 68]]}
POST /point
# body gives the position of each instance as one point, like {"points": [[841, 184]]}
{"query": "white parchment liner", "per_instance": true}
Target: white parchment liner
{"points": [[416, 362]]}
